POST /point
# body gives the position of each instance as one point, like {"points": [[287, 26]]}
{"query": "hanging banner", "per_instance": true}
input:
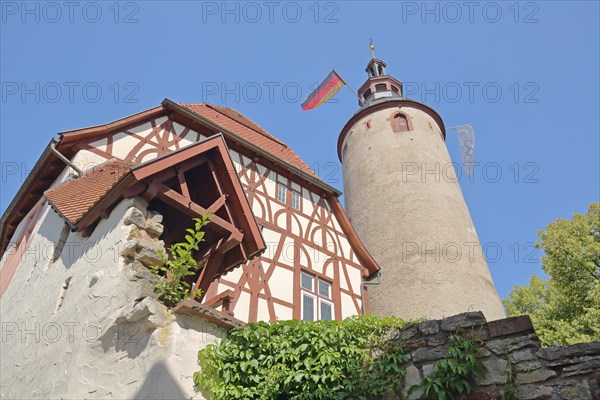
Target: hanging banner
{"points": [[466, 142]]}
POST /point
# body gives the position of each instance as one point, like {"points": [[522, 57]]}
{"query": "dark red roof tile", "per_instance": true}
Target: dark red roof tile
{"points": [[74, 199], [237, 123]]}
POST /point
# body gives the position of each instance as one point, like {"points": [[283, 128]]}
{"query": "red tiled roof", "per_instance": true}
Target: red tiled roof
{"points": [[242, 119], [74, 199], [235, 122]]}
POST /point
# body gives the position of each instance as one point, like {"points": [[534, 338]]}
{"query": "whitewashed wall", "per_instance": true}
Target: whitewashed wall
{"points": [[108, 338]]}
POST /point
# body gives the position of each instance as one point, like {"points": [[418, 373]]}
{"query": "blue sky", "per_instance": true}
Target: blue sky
{"points": [[525, 74]]}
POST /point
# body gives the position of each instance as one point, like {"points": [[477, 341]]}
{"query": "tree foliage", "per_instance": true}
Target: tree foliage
{"points": [[565, 308], [302, 360], [172, 286]]}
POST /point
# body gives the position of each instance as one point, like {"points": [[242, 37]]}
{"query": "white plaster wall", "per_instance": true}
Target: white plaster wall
{"points": [[355, 278], [348, 307], [84, 160], [280, 290], [123, 142], [109, 338]]}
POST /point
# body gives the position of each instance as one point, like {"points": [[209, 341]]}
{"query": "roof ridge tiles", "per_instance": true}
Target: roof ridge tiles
{"points": [[241, 119], [240, 126]]}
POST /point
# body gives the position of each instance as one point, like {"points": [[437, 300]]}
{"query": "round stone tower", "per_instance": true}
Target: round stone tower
{"points": [[404, 200]]}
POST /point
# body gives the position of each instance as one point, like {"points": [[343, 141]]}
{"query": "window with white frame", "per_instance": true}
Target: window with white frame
{"points": [[281, 192], [295, 200], [316, 298], [324, 289], [326, 311], [308, 307], [307, 281]]}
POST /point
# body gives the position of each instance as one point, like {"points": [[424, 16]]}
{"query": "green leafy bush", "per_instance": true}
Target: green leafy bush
{"points": [[303, 360], [171, 286], [454, 374]]}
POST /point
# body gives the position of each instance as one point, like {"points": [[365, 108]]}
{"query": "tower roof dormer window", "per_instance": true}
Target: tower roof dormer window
{"points": [[376, 68], [379, 84]]}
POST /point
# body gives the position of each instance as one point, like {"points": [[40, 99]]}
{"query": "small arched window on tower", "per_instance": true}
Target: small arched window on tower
{"points": [[366, 94], [400, 123], [380, 87]]}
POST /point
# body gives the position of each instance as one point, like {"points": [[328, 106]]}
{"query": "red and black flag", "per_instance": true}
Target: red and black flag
{"points": [[326, 90]]}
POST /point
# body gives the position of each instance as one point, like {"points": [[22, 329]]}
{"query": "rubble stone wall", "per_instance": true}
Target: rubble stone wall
{"points": [[511, 354]]}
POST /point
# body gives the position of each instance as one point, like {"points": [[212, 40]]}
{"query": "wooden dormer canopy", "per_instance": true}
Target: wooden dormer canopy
{"points": [[187, 182]]}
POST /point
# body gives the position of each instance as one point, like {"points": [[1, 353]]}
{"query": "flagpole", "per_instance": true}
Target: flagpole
{"points": [[458, 126], [361, 102]]}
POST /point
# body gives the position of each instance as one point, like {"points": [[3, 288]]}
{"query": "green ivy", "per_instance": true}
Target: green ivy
{"points": [[454, 374], [303, 360], [171, 286], [510, 391]]}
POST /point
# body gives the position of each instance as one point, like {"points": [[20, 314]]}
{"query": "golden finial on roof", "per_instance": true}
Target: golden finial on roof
{"points": [[372, 48]]}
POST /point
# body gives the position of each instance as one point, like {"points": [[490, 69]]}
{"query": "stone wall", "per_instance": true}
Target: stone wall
{"points": [[87, 325], [511, 355]]}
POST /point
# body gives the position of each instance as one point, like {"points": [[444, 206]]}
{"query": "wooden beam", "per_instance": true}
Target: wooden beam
{"points": [[214, 207], [88, 133], [135, 190], [212, 249], [175, 199], [183, 184], [209, 271], [219, 299], [211, 167], [185, 160], [151, 192], [230, 243]]}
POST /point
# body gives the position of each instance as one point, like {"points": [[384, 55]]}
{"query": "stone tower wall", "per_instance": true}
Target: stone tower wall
{"points": [[404, 200]]}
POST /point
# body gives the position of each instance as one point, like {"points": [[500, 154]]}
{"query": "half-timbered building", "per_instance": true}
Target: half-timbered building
{"points": [[279, 245]]}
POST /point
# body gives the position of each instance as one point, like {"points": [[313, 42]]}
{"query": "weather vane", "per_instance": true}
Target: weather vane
{"points": [[372, 48]]}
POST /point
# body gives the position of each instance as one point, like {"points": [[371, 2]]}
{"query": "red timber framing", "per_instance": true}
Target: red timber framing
{"points": [[191, 181], [319, 235], [161, 141], [21, 243], [258, 157]]}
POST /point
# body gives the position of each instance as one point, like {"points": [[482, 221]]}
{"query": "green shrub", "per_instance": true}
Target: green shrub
{"points": [[303, 360], [171, 286]]}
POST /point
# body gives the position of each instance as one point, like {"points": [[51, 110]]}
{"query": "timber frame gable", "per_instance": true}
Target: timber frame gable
{"points": [[309, 234], [180, 185]]}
